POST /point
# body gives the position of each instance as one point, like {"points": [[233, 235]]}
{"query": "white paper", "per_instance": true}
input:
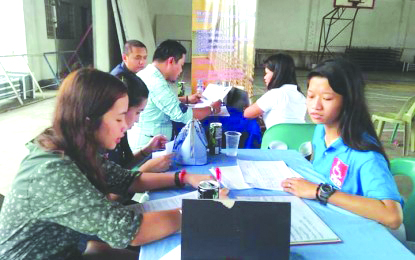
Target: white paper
{"points": [[141, 197], [266, 174], [255, 174], [168, 150], [306, 226], [174, 254], [168, 203], [214, 92], [232, 178]]}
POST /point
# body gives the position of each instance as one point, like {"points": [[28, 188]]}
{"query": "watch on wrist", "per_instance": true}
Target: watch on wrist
{"points": [[212, 110], [324, 191]]}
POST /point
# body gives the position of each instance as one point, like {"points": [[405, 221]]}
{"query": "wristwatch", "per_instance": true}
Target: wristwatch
{"points": [[324, 191], [212, 109]]}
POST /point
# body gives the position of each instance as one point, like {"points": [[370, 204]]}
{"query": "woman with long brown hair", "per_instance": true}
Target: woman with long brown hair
{"points": [[60, 191]]}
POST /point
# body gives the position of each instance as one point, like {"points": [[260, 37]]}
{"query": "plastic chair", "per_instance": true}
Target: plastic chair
{"points": [[1, 201], [405, 116], [403, 170], [293, 134]]}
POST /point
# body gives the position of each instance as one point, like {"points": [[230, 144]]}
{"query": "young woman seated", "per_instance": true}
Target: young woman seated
{"points": [[347, 152], [283, 102], [60, 191], [122, 154]]}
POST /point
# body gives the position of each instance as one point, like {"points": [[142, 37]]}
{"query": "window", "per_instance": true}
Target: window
{"points": [[61, 21]]}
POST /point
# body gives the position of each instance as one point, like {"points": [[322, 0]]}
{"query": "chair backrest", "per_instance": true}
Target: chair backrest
{"points": [[407, 108], [1, 201], [293, 134], [403, 170], [410, 114]]}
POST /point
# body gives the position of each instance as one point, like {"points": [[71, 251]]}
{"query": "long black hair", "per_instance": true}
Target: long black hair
{"points": [[83, 98], [137, 89], [282, 65], [346, 79]]}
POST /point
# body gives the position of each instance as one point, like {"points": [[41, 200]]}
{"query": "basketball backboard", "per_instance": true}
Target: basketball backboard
{"points": [[368, 4]]}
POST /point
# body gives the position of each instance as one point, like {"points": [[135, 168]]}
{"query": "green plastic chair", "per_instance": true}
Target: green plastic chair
{"points": [[406, 117], [403, 170], [291, 134], [1, 201]]}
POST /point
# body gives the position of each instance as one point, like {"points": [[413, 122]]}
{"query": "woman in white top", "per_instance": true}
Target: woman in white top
{"points": [[283, 102]]}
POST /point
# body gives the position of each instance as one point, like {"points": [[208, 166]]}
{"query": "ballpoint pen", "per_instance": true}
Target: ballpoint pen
{"points": [[151, 136], [218, 175]]}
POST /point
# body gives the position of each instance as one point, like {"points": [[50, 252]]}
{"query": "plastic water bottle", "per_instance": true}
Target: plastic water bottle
{"points": [[199, 87]]}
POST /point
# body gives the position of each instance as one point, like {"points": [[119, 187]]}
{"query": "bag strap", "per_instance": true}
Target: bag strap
{"points": [[192, 139]]}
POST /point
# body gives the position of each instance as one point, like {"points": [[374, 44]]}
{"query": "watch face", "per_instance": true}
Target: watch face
{"points": [[326, 188]]}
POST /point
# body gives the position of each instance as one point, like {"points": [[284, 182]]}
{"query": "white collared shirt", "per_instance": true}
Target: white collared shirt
{"points": [[283, 105]]}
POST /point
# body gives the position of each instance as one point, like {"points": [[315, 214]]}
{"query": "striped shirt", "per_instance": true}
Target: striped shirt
{"points": [[162, 108]]}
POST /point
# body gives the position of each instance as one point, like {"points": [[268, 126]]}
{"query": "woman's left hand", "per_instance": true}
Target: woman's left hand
{"points": [[195, 179], [156, 143], [300, 187]]}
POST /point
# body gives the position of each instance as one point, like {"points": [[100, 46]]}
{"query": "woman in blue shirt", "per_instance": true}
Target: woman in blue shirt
{"points": [[346, 150]]}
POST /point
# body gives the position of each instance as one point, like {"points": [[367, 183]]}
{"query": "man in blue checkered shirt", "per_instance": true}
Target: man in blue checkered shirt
{"points": [[163, 106]]}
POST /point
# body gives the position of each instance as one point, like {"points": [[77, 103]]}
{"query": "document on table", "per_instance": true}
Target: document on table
{"points": [[168, 203], [255, 174], [306, 226], [168, 150], [232, 178], [266, 174], [175, 253]]}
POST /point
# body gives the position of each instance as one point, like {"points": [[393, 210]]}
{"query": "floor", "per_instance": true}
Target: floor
{"points": [[385, 92]]}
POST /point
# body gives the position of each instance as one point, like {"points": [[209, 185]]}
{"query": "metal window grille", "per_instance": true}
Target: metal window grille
{"points": [[59, 23]]}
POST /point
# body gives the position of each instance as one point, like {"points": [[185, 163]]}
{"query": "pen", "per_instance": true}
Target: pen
{"points": [[151, 136], [218, 175]]}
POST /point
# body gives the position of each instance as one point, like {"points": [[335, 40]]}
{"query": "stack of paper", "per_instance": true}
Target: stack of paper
{"points": [[306, 226], [255, 174]]}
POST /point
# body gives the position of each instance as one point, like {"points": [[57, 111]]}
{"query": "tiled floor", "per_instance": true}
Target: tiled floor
{"points": [[385, 92]]}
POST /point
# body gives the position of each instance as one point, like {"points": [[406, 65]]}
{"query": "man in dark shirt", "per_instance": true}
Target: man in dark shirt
{"points": [[134, 58]]}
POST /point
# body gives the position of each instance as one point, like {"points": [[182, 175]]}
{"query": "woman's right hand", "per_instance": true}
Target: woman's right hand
{"points": [[159, 164]]}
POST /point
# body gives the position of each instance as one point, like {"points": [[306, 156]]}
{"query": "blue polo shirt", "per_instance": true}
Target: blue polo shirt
{"points": [[119, 68], [364, 173]]}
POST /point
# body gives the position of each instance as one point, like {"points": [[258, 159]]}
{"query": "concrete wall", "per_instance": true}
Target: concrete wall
{"points": [[176, 27], [170, 7], [12, 28], [100, 34], [37, 40], [13, 34], [295, 25]]}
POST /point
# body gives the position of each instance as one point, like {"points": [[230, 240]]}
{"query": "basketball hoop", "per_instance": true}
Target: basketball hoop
{"points": [[355, 2], [367, 4]]}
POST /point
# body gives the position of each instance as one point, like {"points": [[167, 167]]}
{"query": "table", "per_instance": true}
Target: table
{"points": [[362, 238]]}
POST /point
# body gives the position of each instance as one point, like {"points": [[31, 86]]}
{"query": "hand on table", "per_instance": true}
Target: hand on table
{"points": [[195, 98], [300, 187], [156, 143], [159, 164], [223, 194]]}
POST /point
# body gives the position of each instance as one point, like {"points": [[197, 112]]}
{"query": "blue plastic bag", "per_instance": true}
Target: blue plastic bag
{"points": [[190, 145]]}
